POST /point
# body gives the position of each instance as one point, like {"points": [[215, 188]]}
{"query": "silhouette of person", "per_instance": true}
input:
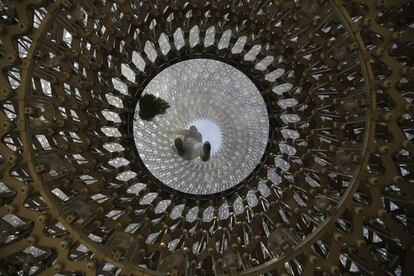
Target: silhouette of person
{"points": [[151, 106], [190, 145]]}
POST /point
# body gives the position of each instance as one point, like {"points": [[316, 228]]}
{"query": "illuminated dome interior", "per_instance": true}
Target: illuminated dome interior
{"points": [[225, 104], [308, 105]]}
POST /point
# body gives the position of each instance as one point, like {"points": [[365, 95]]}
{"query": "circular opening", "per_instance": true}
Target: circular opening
{"points": [[228, 111]]}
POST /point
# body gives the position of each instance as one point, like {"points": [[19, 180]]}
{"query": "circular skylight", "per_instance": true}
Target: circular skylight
{"points": [[227, 109]]}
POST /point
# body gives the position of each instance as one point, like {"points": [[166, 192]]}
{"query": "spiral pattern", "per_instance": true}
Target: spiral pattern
{"points": [[209, 90], [325, 189]]}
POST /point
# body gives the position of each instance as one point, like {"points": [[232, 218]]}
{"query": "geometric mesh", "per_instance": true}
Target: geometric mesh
{"points": [[204, 89], [332, 192]]}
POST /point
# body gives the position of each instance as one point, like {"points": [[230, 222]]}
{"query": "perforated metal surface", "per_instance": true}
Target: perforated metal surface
{"points": [[334, 194], [210, 90]]}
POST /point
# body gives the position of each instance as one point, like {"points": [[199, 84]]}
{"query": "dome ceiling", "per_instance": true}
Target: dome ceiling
{"points": [[308, 106], [204, 91]]}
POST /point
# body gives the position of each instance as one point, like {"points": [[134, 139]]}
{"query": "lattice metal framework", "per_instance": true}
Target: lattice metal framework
{"points": [[333, 193], [209, 90]]}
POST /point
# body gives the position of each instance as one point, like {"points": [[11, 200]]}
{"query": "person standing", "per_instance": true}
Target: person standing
{"points": [[190, 144]]}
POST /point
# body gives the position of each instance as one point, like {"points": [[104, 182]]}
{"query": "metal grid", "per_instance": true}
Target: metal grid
{"points": [[334, 195]]}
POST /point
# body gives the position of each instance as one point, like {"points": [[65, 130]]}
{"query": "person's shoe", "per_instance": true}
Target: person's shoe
{"points": [[206, 151], [180, 146]]}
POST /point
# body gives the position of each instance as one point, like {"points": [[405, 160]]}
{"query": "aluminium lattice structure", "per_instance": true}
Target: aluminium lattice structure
{"points": [[327, 187]]}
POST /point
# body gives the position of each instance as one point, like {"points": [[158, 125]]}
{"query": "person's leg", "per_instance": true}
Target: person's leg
{"points": [[180, 146], [206, 152]]}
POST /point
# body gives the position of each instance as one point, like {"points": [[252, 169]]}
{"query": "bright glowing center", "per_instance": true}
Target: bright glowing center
{"points": [[226, 108]]}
